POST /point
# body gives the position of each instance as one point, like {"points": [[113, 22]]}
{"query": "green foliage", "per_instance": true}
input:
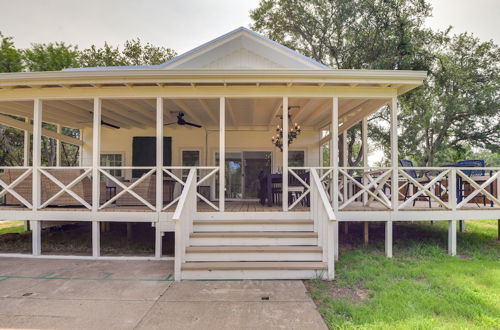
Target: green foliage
{"points": [[50, 57], [457, 107], [10, 57], [422, 287], [348, 34], [133, 53]]}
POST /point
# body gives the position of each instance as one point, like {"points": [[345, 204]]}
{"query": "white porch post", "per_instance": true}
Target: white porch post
{"points": [[395, 174], [26, 145], [364, 144], [159, 172], [334, 161], [284, 196], [58, 146], [26, 158], [394, 154], [37, 144], [344, 164], [96, 156], [222, 152]]}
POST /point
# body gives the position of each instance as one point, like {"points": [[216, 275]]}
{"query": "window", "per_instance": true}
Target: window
{"points": [[112, 160], [189, 158], [296, 158]]}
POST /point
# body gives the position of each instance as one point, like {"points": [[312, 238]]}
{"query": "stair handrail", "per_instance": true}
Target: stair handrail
{"points": [[324, 219], [183, 219]]}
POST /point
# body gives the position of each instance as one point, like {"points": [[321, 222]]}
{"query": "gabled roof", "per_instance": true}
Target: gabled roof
{"points": [[240, 49]]}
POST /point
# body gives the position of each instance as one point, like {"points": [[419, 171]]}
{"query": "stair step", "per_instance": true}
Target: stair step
{"points": [[253, 225], [253, 238], [256, 234], [249, 248], [253, 270], [283, 265], [254, 253], [254, 222]]}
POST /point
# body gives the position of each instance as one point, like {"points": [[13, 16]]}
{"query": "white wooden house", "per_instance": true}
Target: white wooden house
{"points": [[140, 162]]}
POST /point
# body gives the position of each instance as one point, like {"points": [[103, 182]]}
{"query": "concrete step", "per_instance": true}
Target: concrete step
{"points": [[253, 225], [253, 238], [254, 253], [253, 270]]}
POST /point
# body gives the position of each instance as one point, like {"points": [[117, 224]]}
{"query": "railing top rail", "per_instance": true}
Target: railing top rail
{"points": [[442, 168], [322, 194], [127, 167], [15, 167], [191, 180], [190, 167], [65, 167]]}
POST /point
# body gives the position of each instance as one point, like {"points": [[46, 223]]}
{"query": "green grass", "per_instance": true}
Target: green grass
{"points": [[422, 287], [7, 227]]}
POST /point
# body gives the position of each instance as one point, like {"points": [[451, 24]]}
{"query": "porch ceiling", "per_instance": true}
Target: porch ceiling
{"points": [[141, 113]]}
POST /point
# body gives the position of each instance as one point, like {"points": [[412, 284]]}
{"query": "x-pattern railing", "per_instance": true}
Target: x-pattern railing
{"points": [[127, 189], [9, 188], [201, 179], [374, 187], [425, 189], [65, 188], [306, 186], [479, 188]]}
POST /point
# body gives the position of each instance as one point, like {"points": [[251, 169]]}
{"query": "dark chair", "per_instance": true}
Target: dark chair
{"points": [[413, 173], [478, 175]]}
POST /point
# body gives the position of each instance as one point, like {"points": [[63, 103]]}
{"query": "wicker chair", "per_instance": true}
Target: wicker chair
{"points": [[83, 188], [147, 190], [24, 188]]}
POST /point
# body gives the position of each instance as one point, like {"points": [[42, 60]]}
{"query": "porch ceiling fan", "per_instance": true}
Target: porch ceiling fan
{"points": [[102, 123], [182, 122]]}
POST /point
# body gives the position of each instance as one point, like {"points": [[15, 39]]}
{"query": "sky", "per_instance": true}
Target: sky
{"points": [[185, 24]]}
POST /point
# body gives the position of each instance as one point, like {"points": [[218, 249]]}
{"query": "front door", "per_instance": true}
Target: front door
{"points": [[243, 173]]}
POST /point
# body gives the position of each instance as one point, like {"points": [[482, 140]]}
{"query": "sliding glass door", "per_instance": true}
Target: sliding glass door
{"points": [[243, 173]]}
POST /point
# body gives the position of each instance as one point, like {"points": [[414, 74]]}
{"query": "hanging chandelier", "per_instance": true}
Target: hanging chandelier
{"points": [[277, 139]]}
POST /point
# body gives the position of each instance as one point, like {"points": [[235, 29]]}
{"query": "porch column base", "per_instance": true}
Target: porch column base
{"points": [[36, 237], [388, 239], [452, 237]]}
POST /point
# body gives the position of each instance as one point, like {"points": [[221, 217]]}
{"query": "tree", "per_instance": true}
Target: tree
{"points": [[458, 105], [133, 53], [51, 57], [338, 32], [10, 57]]}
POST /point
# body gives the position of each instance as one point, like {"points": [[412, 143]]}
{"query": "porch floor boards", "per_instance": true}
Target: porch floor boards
{"points": [[255, 206]]}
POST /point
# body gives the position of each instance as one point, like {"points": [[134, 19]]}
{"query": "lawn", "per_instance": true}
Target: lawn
{"points": [[7, 227], [422, 287]]}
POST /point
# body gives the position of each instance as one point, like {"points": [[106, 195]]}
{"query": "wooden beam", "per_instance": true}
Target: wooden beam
{"points": [[205, 106], [86, 114], [132, 106], [131, 114], [275, 111], [15, 110], [230, 112], [127, 122], [28, 127]]}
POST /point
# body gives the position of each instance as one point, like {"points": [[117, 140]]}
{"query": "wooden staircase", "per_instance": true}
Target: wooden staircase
{"points": [[253, 249]]}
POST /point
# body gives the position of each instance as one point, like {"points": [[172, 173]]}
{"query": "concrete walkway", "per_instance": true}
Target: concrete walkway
{"points": [[52, 293]]}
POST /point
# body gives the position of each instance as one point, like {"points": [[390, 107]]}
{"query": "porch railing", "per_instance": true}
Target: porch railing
{"points": [[324, 219], [11, 177], [183, 219]]}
